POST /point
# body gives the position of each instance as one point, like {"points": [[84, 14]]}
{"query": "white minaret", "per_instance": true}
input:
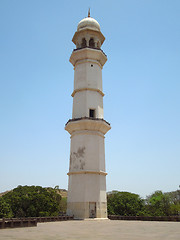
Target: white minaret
{"points": [[87, 174]]}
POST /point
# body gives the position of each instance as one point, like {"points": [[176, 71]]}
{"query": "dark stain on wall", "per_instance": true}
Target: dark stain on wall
{"points": [[77, 161]]}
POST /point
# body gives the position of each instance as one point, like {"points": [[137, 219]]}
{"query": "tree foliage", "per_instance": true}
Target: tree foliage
{"points": [[36, 201], [175, 202], [158, 204], [5, 209], [32, 201], [163, 204], [125, 204], [63, 205]]}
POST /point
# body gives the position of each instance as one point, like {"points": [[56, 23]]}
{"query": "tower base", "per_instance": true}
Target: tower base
{"points": [[87, 210]]}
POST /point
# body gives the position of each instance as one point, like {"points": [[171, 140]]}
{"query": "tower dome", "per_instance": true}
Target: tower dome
{"points": [[88, 22]]}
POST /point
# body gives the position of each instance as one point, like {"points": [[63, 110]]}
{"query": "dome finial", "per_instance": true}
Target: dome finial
{"points": [[89, 12]]}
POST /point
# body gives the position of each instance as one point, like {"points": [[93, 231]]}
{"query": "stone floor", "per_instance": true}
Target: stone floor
{"points": [[98, 229]]}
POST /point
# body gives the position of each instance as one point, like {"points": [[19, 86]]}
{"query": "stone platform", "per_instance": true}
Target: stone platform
{"points": [[99, 229]]}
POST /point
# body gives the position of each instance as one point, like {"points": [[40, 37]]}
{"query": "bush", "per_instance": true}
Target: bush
{"points": [[125, 204], [32, 201]]}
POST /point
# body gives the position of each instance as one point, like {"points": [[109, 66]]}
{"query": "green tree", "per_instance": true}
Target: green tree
{"points": [[5, 209], [33, 201], [158, 204], [175, 202], [63, 205], [125, 204], [175, 209]]}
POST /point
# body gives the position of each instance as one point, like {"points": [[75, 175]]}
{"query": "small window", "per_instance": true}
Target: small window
{"points": [[92, 113]]}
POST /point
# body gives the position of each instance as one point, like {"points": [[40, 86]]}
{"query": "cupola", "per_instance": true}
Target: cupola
{"points": [[88, 34]]}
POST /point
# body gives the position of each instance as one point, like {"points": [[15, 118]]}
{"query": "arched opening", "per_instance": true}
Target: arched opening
{"points": [[91, 43], [83, 43]]}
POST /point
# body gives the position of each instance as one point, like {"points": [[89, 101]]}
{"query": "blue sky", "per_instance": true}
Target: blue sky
{"points": [[141, 82]]}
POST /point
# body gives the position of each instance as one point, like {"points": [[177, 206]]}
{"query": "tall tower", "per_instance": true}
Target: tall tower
{"points": [[87, 175]]}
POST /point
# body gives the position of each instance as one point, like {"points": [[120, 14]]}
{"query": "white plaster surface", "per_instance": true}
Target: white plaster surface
{"points": [[88, 74], [86, 183], [85, 100], [96, 229], [87, 153], [90, 188]]}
